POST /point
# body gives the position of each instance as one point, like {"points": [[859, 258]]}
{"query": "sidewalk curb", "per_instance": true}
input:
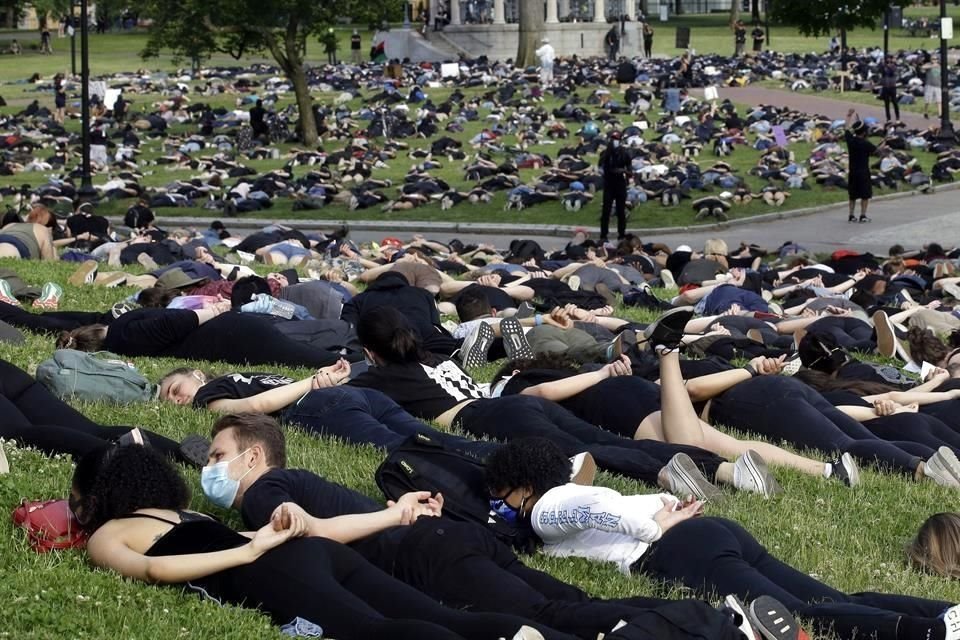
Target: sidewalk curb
{"points": [[496, 228]]}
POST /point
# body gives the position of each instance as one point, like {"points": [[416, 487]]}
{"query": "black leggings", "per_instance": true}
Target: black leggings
{"points": [[915, 427], [889, 97], [617, 404], [35, 417], [715, 555], [786, 409], [436, 554], [50, 322], [512, 417], [332, 585], [850, 333]]}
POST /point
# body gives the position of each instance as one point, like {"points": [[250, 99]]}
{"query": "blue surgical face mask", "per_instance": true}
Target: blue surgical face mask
{"points": [[217, 484], [509, 513]]}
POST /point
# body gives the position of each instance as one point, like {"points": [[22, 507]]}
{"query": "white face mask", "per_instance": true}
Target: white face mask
{"points": [[616, 144]]}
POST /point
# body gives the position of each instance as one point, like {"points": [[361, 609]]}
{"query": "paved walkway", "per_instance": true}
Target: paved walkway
{"points": [[912, 220], [828, 103]]}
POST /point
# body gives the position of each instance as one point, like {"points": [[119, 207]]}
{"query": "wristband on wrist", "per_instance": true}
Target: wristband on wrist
{"points": [[538, 319], [749, 369]]}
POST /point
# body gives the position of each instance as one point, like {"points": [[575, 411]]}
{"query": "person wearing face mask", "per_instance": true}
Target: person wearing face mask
{"points": [[615, 165], [135, 505], [669, 540], [431, 554]]}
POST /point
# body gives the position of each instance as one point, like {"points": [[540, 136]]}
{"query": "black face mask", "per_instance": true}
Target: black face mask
{"points": [[76, 508]]}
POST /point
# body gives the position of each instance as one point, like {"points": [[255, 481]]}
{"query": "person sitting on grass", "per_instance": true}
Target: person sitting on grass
{"points": [[135, 506], [667, 539]]}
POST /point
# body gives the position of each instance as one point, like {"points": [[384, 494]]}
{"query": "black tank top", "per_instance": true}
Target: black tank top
{"points": [[195, 533]]}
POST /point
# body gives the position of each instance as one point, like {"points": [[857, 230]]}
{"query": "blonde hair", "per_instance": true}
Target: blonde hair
{"points": [[936, 549], [715, 246]]}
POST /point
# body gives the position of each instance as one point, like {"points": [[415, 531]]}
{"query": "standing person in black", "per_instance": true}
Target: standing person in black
{"points": [[739, 38], [758, 36], [611, 42], [647, 40], [615, 165], [258, 120], [888, 87], [355, 42], [329, 40], [120, 108], [859, 150]]}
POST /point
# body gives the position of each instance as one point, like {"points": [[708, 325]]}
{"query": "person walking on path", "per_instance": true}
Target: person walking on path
{"points": [[614, 163], [859, 150], [739, 38], [647, 39]]}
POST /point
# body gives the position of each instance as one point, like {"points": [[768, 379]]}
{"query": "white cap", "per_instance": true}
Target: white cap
{"points": [[684, 247], [726, 194], [545, 41]]}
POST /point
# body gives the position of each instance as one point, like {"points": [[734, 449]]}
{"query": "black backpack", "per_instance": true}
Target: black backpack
{"points": [[680, 620], [423, 464]]}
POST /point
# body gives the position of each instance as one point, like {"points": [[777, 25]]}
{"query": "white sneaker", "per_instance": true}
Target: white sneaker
{"points": [[750, 473], [943, 468], [682, 477], [951, 619], [666, 276], [528, 633]]}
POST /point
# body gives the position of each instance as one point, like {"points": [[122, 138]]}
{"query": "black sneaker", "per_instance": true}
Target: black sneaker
{"points": [[863, 219], [845, 470], [475, 347], [773, 621], [514, 341], [525, 310], [668, 330], [852, 219]]}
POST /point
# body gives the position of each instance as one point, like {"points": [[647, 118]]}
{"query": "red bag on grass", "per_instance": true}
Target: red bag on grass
{"points": [[49, 525]]}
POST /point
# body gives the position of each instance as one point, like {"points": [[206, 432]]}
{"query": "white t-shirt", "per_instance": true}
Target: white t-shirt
{"points": [[597, 523], [546, 54]]}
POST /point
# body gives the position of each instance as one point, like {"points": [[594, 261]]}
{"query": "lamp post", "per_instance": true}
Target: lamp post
{"points": [[766, 22], [946, 128], [886, 32], [86, 191], [73, 40]]}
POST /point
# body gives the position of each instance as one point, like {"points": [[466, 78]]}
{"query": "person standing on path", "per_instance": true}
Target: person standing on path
{"points": [[615, 165], [611, 42], [888, 87], [859, 150], [647, 39], [330, 45], [739, 38], [931, 85]]}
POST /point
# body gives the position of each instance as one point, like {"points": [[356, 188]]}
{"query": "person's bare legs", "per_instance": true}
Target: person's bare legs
{"points": [[677, 423]]}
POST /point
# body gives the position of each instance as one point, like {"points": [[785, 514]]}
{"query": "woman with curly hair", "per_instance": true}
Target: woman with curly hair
{"points": [[135, 505], [665, 539]]}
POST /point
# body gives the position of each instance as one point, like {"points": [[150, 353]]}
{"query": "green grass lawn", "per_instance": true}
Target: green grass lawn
{"points": [[852, 539]]}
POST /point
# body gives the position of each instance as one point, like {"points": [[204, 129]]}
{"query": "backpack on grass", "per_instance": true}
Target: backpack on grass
{"points": [[49, 525], [96, 377], [422, 464]]}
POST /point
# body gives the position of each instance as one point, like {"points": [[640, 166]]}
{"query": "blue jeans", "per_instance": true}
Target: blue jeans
{"points": [[719, 556], [367, 416]]}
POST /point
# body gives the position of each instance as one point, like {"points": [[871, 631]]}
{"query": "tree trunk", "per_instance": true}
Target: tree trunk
{"points": [[755, 11], [308, 124], [291, 63], [734, 12], [531, 31]]}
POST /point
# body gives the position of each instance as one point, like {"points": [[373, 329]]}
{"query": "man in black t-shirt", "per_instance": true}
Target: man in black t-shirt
{"points": [[355, 43], [758, 36], [258, 120], [739, 38], [459, 563]]}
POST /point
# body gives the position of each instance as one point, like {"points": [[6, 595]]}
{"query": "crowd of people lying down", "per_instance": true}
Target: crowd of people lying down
{"points": [[679, 145], [852, 357]]}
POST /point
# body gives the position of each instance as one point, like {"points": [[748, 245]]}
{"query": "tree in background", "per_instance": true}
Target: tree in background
{"points": [[531, 31], [196, 29], [825, 17]]}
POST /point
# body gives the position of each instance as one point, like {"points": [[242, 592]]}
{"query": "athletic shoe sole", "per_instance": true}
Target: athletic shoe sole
{"points": [[49, 297], [666, 276], [583, 469], [113, 280], [792, 365], [475, 348], [689, 480], [6, 294], [944, 463], [773, 620], [86, 274], [668, 329], [195, 449], [514, 340], [886, 340], [4, 465], [851, 469], [733, 603], [756, 466]]}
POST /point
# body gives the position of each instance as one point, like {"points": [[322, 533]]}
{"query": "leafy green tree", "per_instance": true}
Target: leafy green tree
{"points": [[194, 29], [823, 17]]}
